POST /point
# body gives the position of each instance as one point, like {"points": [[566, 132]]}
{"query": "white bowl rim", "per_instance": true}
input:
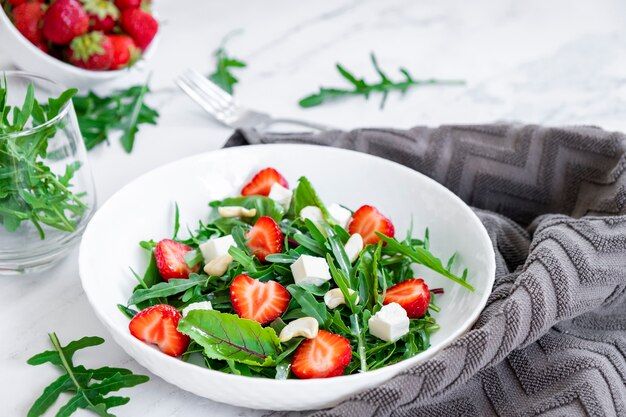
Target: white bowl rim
{"points": [[79, 72], [303, 383]]}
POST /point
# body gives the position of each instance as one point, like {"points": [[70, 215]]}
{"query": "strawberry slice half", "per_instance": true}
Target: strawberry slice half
{"points": [[265, 238], [413, 295], [323, 357], [158, 325], [366, 221], [170, 259], [258, 301], [261, 183]]}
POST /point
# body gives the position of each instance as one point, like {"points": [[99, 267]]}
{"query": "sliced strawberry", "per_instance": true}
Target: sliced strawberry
{"points": [[366, 221], [256, 300], [265, 238], [412, 295], [158, 325], [170, 260], [261, 183], [323, 357]]}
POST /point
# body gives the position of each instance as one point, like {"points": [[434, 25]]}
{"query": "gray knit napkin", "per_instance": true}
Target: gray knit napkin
{"points": [[552, 339]]}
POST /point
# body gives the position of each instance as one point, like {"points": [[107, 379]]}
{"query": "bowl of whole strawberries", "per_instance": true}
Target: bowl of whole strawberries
{"points": [[78, 42]]}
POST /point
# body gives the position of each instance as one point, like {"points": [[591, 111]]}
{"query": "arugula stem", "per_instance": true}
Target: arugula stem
{"points": [[356, 330], [67, 365]]}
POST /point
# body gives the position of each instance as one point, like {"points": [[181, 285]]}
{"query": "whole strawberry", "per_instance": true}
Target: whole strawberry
{"points": [[125, 51], [92, 51], [103, 15], [141, 26], [128, 4], [65, 20], [27, 19]]}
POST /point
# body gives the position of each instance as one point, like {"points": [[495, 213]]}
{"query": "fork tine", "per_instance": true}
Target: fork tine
{"points": [[220, 103], [209, 86], [211, 107]]}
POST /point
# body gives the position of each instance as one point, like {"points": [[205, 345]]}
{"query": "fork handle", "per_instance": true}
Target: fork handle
{"points": [[267, 126]]}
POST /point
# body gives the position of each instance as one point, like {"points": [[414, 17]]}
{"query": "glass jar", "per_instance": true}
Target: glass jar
{"points": [[47, 192]]}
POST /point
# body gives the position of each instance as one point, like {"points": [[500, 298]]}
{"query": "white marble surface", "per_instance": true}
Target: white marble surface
{"points": [[553, 62]]}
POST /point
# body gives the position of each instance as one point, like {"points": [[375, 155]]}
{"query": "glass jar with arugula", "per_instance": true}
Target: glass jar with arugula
{"points": [[276, 283], [46, 189]]}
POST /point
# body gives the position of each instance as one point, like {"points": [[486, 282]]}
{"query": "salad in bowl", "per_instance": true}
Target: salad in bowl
{"points": [[277, 283]]}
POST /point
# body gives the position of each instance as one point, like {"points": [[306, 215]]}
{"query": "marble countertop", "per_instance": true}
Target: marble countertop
{"points": [[532, 61]]}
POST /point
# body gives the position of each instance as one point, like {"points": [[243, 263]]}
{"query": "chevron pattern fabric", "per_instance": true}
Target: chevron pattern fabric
{"points": [[552, 339]]}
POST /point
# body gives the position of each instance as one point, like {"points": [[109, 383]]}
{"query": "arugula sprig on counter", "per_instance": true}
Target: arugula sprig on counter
{"points": [[29, 189], [360, 87], [88, 387], [124, 111], [224, 64]]}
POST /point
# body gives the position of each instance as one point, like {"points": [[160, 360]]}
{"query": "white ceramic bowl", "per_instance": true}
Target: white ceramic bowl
{"points": [[30, 58], [144, 209]]}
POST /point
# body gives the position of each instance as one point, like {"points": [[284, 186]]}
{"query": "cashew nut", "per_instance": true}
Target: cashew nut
{"points": [[354, 246], [218, 266], [236, 211], [305, 327], [334, 298]]}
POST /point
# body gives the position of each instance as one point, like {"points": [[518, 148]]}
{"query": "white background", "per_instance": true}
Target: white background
{"points": [[533, 61]]}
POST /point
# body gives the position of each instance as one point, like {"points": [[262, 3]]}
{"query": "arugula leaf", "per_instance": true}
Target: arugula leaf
{"points": [[310, 306], [165, 289], [122, 111], [78, 380], [424, 257], [222, 75], [229, 337], [361, 88], [305, 195]]}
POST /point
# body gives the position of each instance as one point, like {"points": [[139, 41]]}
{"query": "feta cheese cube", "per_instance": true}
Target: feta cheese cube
{"points": [[281, 195], [340, 214], [213, 248], [312, 213], [390, 323], [202, 305], [310, 270], [353, 247]]}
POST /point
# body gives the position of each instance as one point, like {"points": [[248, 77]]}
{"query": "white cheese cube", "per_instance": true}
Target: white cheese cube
{"points": [[340, 214], [353, 247], [314, 214], [310, 270], [213, 248], [281, 195], [202, 305], [390, 323]]}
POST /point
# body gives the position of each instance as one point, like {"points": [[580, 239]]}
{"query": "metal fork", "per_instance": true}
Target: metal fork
{"points": [[226, 110]]}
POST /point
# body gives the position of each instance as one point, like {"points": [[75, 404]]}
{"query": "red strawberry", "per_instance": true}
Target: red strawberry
{"points": [[140, 25], [27, 18], [128, 4], [125, 51], [16, 3], [170, 260], [103, 15], [366, 221], [261, 183], [412, 295], [256, 300], [265, 238], [65, 20], [158, 325], [323, 357], [92, 51]]}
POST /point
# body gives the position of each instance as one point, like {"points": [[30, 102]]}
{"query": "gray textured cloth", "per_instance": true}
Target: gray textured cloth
{"points": [[552, 339]]}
